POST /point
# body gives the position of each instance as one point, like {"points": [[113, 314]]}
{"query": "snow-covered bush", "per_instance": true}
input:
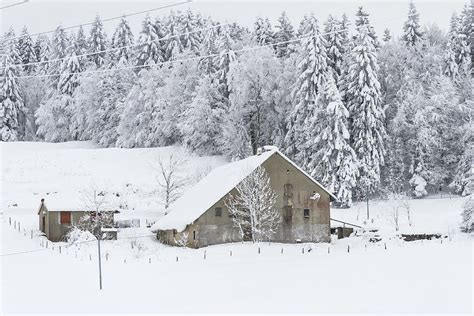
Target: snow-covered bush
{"points": [[77, 235], [419, 186]]}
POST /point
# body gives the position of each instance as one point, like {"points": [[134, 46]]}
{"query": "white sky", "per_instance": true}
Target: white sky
{"points": [[42, 15]]}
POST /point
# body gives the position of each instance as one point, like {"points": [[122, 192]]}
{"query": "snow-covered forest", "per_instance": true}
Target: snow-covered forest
{"points": [[364, 113]]}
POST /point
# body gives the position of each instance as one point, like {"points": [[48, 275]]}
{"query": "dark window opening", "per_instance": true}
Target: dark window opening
{"points": [[219, 211], [65, 217], [306, 213], [194, 235]]}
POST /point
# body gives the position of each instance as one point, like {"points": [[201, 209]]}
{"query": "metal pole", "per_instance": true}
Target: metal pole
{"points": [[367, 200], [100, 264]]}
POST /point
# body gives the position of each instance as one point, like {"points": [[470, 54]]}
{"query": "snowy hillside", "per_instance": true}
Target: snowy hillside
{"points": [[31, 171]]}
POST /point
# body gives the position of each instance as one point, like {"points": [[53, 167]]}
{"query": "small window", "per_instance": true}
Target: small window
{"points": [[65, 217], [219, 211], [306, 213], [194, 235]]}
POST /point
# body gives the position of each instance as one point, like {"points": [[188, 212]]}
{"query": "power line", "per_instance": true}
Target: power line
{"points": [[183, 59], [122, 47], [191, 58], [14, 4], [105, 20]]}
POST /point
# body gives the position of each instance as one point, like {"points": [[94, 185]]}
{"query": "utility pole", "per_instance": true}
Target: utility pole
{"points": [[100, 263], [367, 201], [99, 235]]}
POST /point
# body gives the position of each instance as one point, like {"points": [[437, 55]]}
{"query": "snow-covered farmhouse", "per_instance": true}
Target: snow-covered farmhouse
{"points": [[57, 220], [202, 215]]}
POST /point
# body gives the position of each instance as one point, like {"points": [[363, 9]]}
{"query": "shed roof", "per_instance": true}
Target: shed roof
{"points": [[213, 187]]}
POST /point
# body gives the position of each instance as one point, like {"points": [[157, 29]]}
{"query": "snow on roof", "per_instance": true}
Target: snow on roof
{"points": [[66, 204], [213, 187]]}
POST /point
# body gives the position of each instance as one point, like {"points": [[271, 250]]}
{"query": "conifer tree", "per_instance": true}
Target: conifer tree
{"points": [[54, 116], [11, 103], [208, 49], [345, 32], [285, 33], [122, 42], [362, 18], [226, 55], [97, 43], [148, 51], [262, 33], [451, 66], [386, 36], [333, 36], [173, 46], [201, 124], [412, 33], [312, 68], [80, 48], [365, 107], [27, 51], [59, 46], [334, 162], [42, 52], [191, 39]]}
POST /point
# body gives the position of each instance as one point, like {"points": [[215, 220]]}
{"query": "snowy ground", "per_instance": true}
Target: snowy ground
{"points": [[349, 275]]}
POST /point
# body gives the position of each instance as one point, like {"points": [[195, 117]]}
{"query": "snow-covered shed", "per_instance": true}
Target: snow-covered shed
{"points": [[201, 213]]}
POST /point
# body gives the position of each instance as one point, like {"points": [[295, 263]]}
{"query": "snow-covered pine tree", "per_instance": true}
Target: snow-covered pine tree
{"points": [[11, 103], [201, 124], [412, 33], [362, 18], [386, 36], [285, 33], [312, 68], [262, 34], [333, 37], [104, 119], [225, 46], [80, 47], [191, 39], [365, 106], [122, 42], [466, 28], [59, 46], [42, 52], [451, 66], [173, 46], [27, 51], [345, 32], [334, 162], [149, 50], [97, 43], [54, 116], [208, 49]]}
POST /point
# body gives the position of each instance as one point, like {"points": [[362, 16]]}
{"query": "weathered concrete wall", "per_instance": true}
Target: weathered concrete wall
{"points": [[294, 190]]}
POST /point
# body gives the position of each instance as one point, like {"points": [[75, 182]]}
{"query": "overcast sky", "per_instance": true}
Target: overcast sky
{"points": [[41, 15]]}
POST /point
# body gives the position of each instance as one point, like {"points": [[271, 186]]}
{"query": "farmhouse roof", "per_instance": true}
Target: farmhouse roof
{"points": [[213, 187]]}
